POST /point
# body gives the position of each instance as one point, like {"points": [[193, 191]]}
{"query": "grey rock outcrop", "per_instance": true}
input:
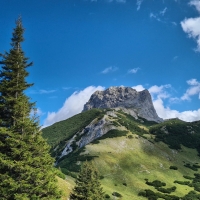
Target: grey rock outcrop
{"points": [[94, 130], [135, 103]]}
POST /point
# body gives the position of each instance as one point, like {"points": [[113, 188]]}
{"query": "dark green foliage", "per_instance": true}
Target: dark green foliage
{"points": [[179, 133], [87, 185], [156, 183], [192, 167], [101, 177], [167, 190], [67, 172], [74, 145], [182, 182], [192, 195], [196, 166], [12, 83], [116, 194], [64, 130], [26, 170], [107, 196], [130, 136], [146, 122], [58, 134], [59, 173], [188, 177], [173, 167], [151, 195], [125, 184], [111, 134], [131, 124], [195, 182], [69, 162]]}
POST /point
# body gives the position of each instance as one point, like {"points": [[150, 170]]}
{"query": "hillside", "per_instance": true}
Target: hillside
{"points": [[133, 155]]}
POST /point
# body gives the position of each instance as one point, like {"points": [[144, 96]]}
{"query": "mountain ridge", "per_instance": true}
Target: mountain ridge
{"points": [[133, 154], [137, 104]]}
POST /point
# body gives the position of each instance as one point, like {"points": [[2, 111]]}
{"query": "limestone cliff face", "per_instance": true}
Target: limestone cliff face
{"points": [[94, 130], [135, 103]]}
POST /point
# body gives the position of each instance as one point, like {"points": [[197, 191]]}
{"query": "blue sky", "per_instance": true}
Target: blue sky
{"points": [[79, 46]]}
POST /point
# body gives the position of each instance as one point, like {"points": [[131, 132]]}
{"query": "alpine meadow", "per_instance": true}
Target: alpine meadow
{"points": [[106, 107]]}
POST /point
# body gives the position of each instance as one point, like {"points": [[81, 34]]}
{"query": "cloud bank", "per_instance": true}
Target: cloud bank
{"points": [[191, 26], [167, 113], [194, 89], [160, 93], [72, 105]]}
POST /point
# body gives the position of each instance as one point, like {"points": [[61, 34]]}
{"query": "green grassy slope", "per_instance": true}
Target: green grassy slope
{"points": [[124, 164], [58, 133], [140, 153]]}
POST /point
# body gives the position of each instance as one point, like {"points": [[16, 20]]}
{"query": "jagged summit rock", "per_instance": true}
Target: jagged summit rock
{"points": [[125, 98]]}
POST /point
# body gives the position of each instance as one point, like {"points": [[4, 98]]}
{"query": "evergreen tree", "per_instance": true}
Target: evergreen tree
{"points": [[88, 186], [26, 170]]}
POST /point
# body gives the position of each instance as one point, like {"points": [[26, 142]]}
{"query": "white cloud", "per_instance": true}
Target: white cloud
{"points": [[138, 88], [191, 26], [151, 15], [73, 105], [109, 69], [66, 88], [194, 89], [46, 91], [139, 3], [118, 1], [121, 1], [174, 23], [159, 93], [42, 91], [167, 113], [162, 12], [133, 71], [195, 3], [159, 16], [39, 112], [154, 16]]}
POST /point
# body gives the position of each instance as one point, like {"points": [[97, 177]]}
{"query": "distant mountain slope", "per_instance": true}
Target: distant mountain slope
{"points": [[132, 155], [58, 133], [81, 129], [137, 158], [176, 132]]}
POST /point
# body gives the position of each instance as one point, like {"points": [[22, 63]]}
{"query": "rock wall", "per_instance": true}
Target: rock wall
{"points": [[136, 103]]}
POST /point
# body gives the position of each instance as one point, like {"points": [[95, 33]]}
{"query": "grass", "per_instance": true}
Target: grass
{"points": [[127, 157], [65, 186], [132, 161]]}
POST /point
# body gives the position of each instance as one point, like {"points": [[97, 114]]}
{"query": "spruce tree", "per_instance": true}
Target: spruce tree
{"points": [[26, 170], [88, 186]]}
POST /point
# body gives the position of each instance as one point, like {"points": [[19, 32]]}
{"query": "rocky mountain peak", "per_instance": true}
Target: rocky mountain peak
{"points": [[125, 98]]}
